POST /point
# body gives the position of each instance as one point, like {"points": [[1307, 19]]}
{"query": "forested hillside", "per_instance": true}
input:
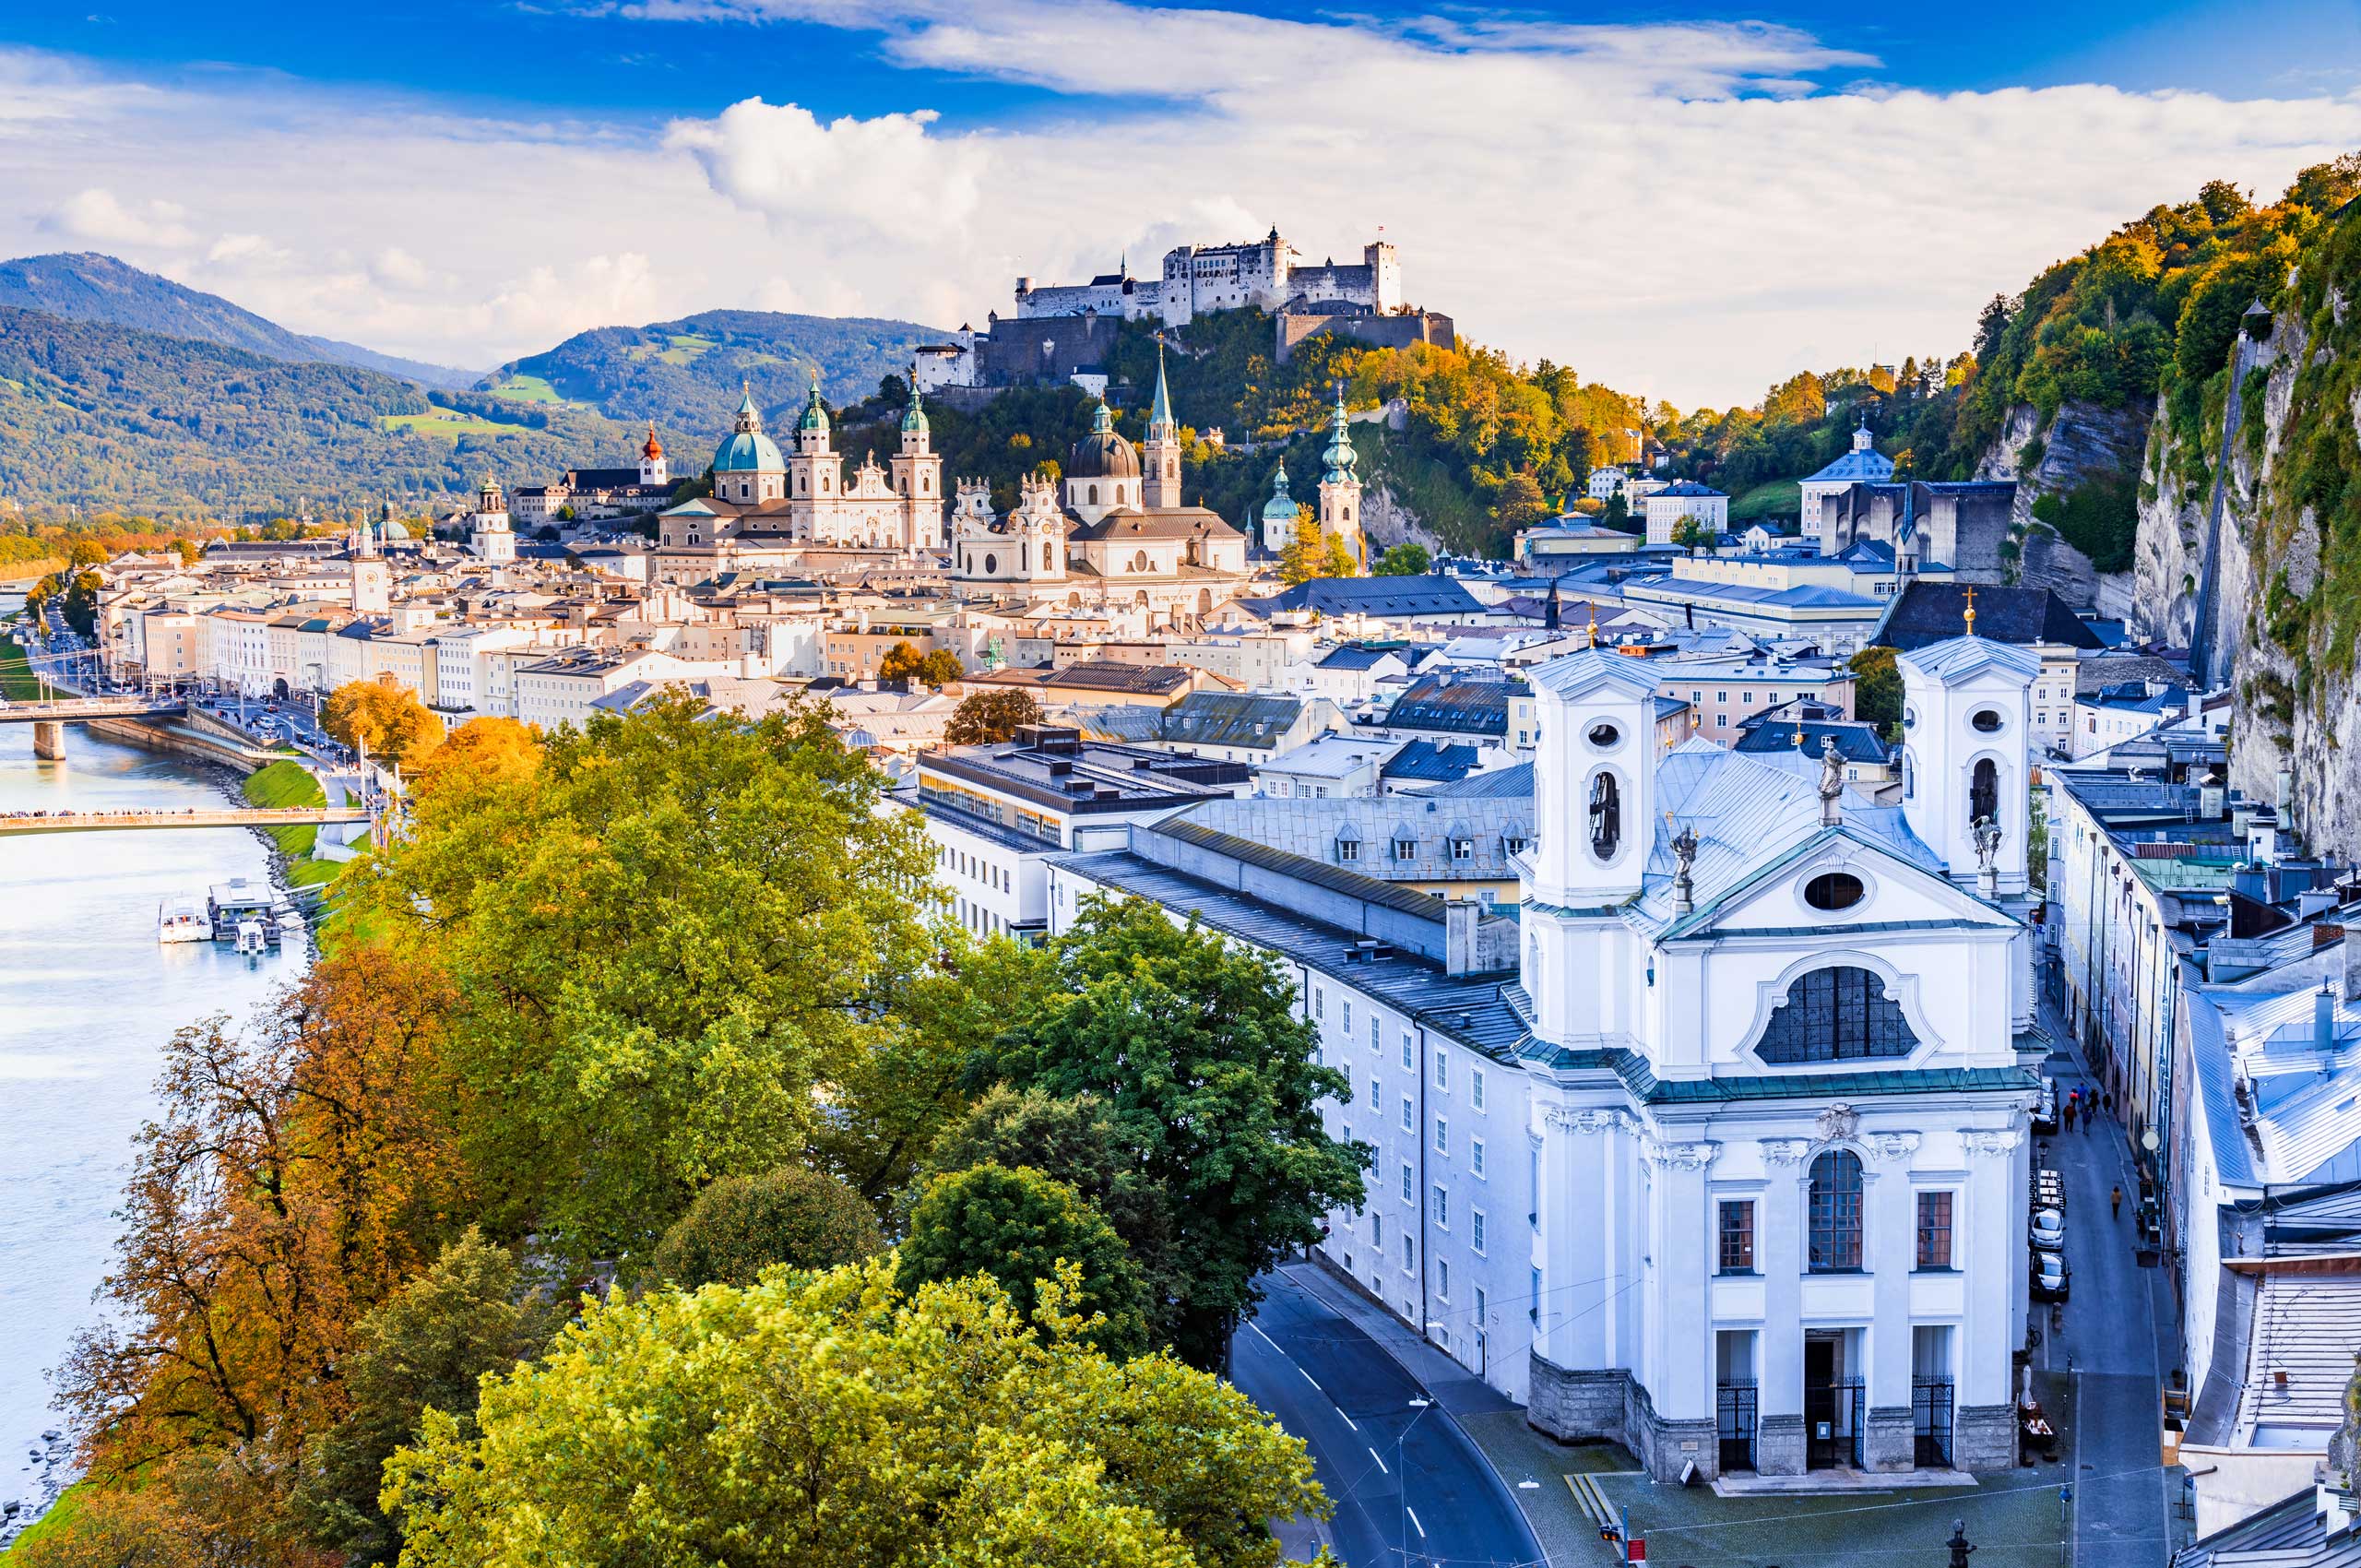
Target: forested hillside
{"points": [[98, 416], [688, 375], [86, 286]]}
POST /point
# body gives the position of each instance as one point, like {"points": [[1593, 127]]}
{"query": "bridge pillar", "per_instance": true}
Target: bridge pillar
{"points": [[49, 740]]}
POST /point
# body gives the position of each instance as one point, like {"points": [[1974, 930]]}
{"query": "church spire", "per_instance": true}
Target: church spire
{"points": [[1159, 414], [1340, 455], [914, 417], [750, 418]]}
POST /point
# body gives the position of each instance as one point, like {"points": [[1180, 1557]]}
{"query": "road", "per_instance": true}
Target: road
{"points": [[2115, 1323], [1409, 1487]]}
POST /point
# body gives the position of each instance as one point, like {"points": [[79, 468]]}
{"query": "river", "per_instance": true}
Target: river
{"points": [[87, 996]]}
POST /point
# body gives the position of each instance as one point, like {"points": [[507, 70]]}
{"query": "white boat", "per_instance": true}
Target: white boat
{"points": [[183, 919], [251, 940]]}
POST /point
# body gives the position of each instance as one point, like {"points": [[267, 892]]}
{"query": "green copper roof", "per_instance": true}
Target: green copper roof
{"points": [[1159, 414], [913, 418], [747, 449], [815, 414], [1102, 421], [1340, 455], [1280, 505]]}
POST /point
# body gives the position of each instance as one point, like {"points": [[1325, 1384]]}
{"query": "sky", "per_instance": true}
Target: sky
{"points": [[1688, 202]]}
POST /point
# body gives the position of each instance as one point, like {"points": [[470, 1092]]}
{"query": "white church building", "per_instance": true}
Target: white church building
{"points": [[1719, 1149]]}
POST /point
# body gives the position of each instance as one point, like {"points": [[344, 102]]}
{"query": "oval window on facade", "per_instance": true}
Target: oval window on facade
{"points": [[1834, 890], [1987, 720], [992, 564], [1604, 736]]}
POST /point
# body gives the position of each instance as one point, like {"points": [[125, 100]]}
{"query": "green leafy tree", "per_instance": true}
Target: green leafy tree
{"points": [[835, 1423], [1877, 688], [991, 718], [1692, 534], [1406, 560], [1209, 1080], [673, 940], [1018, 1225], [426, 1347], [742, 1225]]}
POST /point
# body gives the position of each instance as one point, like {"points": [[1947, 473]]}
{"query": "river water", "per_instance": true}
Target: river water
{"points": [[87, 996]]}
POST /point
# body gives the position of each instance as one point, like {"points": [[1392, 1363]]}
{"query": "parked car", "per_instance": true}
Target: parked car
{"points": [[2048, 1229], [2051, 1278], [2044, 1110]]}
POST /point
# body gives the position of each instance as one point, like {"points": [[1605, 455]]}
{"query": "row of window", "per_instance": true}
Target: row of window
{"points": [[1833, 1218]]}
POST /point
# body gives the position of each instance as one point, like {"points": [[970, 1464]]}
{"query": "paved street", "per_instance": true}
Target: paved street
{"points": [[2118, 1331], [1410, 1488]]}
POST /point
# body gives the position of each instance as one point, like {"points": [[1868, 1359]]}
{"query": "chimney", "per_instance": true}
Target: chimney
{"points": [[1459, 919], [2324, 1020], [2351, 976]]}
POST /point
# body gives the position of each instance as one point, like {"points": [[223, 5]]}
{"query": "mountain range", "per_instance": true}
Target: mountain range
{"points": [[86, 286], [121, 390]]}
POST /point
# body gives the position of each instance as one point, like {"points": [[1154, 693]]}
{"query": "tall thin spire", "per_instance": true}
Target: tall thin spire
{"points": [[1159, 414], [1970, 614]]}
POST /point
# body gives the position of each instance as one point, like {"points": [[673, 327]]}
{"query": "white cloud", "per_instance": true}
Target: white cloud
{"points": [[98, 216], [396, 268], [884, 175], [1672, 209]]}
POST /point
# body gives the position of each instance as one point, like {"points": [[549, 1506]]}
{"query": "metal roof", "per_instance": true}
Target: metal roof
{"points": [[1471, 1011]]}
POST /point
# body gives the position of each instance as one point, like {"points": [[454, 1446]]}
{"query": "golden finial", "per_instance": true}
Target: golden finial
{"points": [[1970, 610], [1593, 635], [1800, 733]]}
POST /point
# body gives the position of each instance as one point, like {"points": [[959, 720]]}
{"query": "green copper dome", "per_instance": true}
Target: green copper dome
{"points": [[1280, 507], [914, 417], [815, 415], [747, 449]]}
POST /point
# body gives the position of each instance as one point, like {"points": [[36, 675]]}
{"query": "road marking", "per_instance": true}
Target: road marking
{"points": [[1381, 1461], [1413, 1521], [1307, 1376]]}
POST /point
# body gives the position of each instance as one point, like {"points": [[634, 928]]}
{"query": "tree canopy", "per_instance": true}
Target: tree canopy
{"points": [[840, 1422], [990, 717], [381, 718]]}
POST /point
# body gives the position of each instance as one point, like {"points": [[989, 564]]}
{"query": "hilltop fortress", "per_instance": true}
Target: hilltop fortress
{"points": [[1065, 331]]}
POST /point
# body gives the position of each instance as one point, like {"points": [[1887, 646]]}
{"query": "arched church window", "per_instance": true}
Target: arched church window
{"points": [[1835, 1213], [1172, 468], [1605, 815], [1094, 495], [1983, 792], [1837, 1014]]}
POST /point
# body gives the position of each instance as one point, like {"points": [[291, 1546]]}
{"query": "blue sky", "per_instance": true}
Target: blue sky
{"points": [[1688, 201], [586, 59]]}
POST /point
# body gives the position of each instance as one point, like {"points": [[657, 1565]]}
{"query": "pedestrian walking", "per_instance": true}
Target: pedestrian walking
{"points": [[2069, 1116], [2115, 1202]]}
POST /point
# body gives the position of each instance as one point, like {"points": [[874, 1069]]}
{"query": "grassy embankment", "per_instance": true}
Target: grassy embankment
{"points": [[68, 1504], [18, 683], [290, 784]]}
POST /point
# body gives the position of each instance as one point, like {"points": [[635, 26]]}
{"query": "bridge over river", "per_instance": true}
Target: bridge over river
{"points": [[49, 719], [110, 821]]}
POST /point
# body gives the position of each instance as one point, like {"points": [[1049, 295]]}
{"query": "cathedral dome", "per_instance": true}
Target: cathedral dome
{"points": [[747, 449], [1103, 454]]}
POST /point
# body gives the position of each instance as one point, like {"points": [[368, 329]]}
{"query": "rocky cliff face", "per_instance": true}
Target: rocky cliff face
{"points": [[2250, 545], [1388, 521], [2080, 445]]}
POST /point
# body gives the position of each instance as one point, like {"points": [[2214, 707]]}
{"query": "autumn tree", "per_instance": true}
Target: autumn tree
{"points": [[991, 717], [1210, 1083], [479, 753], [937, 666], [291, 1181], [841, 1423], [1337, 559], [380, 719]]}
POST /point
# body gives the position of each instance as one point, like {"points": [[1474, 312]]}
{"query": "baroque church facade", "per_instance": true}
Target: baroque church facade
{"points": [[1754, 1197], [1112, 534], [773, 512]]}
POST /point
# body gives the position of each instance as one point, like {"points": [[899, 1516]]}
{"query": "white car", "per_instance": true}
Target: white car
{"points": [[2050, 1229]]}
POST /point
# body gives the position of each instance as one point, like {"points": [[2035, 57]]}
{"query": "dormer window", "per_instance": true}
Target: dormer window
{"points": [[1406, 848]]}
